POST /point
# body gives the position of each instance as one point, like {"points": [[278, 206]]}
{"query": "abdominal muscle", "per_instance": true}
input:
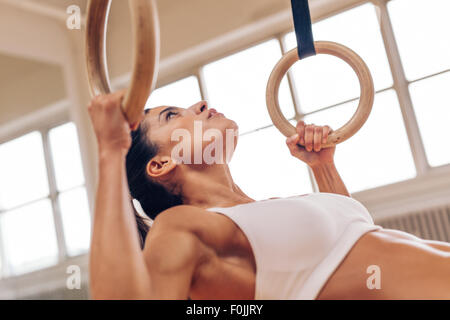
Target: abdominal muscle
{"points": [[407, 267]]}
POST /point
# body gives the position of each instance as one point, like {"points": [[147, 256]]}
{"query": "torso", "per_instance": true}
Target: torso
{"points": [[410, 267]]}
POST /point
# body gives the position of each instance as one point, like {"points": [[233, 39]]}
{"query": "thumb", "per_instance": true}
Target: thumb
{"points": [[292, 142], [135, 125]]}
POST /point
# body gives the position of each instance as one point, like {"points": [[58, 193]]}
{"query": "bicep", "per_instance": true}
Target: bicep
{"points": [[171, 261]]}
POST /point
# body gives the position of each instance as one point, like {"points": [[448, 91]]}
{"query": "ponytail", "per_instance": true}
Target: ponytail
{"points": [[153, 197]]}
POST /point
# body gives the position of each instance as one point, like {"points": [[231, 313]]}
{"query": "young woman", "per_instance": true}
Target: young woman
{"points": [[209, 240]]}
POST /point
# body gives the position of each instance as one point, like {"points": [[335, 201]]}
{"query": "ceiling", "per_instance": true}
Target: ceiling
{"points": [[13, 68], [26, 86], [165, 6], [62, 4]]}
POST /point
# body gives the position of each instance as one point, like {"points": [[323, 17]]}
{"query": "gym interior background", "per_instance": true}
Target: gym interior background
{"points": [[398, 165]]}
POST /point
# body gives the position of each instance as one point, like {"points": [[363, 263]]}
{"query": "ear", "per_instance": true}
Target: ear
{"points": [[159, 167]]}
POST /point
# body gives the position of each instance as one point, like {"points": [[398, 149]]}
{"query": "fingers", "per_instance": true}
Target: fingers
{"points": [[108, 104], [326, 131], [292, 144], [312, 137], [309, 137], [317, 142], [292, 141], [135, 126], [119, 95], [301, 131]]}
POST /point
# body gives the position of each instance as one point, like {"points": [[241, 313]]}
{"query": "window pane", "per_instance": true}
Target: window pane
{"points": [[422, 33], [379, 153], [182, 93], [66, 156], [237, 85], [22, 170], [431, 100], [29, 238], [263, 167], [76, 220], [324, 80]]}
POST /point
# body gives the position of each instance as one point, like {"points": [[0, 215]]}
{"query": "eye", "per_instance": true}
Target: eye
{"points": [[170, 114]]}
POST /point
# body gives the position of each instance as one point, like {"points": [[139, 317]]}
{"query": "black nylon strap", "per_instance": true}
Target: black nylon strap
{"points": [[303, 28]]}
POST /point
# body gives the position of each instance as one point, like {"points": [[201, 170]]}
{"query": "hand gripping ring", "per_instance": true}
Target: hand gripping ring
{"points": [[365, 102], [145, 28]]}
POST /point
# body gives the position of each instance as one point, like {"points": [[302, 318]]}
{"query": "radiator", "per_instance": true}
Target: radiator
{"points": [[429, 224]]}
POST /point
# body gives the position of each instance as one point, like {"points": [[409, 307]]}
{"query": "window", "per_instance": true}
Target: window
{"points": [[72, 197], [29, 238], [44, 216], [27, 229], [182, 93], [357, 29], [431, 100], [421, 31], [425, 52], [378, 154], [263, 167]]}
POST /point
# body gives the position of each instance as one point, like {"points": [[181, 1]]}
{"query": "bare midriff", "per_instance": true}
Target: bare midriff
{"points": [[406, 267]]}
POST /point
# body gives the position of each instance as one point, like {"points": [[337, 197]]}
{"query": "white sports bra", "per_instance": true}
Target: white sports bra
{"points": [[299, 241]]}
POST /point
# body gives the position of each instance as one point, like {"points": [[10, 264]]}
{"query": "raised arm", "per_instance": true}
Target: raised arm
{"points": [[119, 269], [329, 180], [321, 161], [116, 260]]}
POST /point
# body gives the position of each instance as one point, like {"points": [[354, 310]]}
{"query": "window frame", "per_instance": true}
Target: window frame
{"points": [[42, 121]]}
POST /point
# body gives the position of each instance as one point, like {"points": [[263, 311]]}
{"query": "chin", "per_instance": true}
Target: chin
{"points": [[232, 125], [229, 124], [223, 124]]}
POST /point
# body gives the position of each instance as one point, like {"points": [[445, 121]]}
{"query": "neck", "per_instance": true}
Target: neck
{"points": [[211, 186]]}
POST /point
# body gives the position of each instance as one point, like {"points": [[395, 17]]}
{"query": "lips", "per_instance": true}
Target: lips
{"points": [[213, 113]]}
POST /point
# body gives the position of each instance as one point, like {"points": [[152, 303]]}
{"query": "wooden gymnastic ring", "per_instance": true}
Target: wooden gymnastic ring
{"points": [[145, 28], [365, 102]]}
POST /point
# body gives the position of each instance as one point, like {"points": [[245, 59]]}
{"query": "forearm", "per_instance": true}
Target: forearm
{"points": [[117, 266], [329, 180]]}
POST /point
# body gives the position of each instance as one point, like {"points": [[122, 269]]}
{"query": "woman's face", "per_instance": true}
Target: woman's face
{"points": [[195, 127]]}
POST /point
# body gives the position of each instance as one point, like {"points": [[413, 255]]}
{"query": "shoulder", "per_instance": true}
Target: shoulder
{"points": [[172, 251], [171, 245], [173, 223], [178, 217]]}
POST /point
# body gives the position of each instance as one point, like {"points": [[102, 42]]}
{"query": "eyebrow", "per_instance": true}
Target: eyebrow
{"points": [[166, 110]]}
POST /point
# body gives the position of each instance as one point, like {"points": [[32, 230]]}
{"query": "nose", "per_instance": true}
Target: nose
{"points": [[199, 107]]}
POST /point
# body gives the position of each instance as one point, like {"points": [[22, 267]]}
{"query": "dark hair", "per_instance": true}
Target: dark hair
{"points": [[153, 196]]}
